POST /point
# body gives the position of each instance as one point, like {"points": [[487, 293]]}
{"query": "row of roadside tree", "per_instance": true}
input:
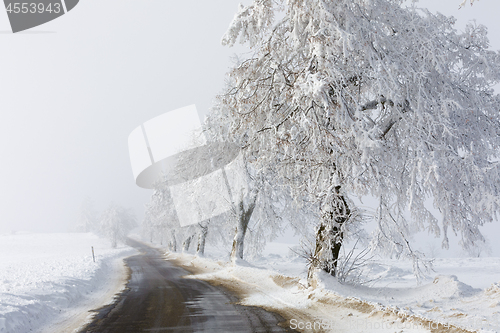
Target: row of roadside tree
{"points": [[348, 99]]}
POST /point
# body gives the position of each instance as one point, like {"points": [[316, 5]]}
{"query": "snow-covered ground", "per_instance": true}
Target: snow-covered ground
{"points": [[49, 282], [461, 294]]}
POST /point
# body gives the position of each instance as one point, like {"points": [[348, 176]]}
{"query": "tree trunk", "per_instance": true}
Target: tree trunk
{"points": [[187, 243], [329, 236], [114, 236], [244, 216], [201, 240], [173, 242]]}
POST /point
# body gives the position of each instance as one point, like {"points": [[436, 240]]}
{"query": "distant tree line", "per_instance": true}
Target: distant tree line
{"points": [[114, 223]]}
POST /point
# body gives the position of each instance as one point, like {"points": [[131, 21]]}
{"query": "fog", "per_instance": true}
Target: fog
{"points": [[72, 90]]}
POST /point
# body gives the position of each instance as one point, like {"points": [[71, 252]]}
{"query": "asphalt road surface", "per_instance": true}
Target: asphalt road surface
{"points": [[158, 299]]}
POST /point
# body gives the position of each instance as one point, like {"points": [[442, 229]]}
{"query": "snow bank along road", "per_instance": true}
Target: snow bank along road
{"points": [[49, 281], [159, 299], [330, 306]]}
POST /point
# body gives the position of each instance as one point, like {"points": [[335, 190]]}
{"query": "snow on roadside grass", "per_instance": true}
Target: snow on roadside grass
{"points": [[309, 310], [464, 292], [392, 303], [460, 291], [43, 276]]}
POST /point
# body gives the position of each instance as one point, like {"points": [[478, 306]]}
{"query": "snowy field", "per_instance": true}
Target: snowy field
{"points": [[463, 292], [49, 282]]}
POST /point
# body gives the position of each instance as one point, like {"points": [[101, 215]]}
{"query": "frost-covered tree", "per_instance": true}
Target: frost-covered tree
{"points": [[160, 220], [263, 212], [161, 223], [116, 222], [230, 182], [369, 97], [87, 221], [246, 226], [259, 208]]}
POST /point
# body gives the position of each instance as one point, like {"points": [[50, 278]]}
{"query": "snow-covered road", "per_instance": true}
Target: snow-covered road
{"points": [[159, 298]]}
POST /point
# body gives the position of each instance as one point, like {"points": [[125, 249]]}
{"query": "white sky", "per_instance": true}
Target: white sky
{"points": [[73, 89]]}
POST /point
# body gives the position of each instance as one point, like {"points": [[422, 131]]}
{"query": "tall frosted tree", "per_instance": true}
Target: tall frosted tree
{"points": [[116, 222], [87, 221], [160, 222], [368, 97]]}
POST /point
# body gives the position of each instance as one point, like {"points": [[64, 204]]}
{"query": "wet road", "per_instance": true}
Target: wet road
{"points": [[158, 299]]}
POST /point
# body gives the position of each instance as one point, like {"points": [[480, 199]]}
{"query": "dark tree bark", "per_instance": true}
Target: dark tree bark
{"points": [[244, 215], [187, 243], [173, 242], [329, 236], [200, 250]]}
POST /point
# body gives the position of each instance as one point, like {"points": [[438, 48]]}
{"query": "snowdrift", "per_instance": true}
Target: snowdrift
{"points": [[49, 278]]}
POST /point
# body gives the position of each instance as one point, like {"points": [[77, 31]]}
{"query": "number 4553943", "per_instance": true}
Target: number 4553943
{"points": [[24, 7]]}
